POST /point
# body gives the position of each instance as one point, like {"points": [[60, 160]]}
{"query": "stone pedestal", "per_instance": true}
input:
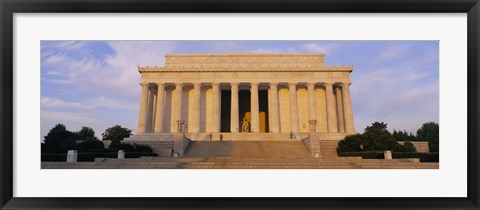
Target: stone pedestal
{"points": [[72, 156], [121, 154], [387, 154]]}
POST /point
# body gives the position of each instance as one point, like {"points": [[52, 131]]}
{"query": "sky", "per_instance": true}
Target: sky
{"points": [[96, 83]]}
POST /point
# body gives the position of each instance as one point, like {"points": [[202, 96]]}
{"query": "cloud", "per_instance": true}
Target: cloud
{"points": [[313, 47], [54, 59], [91, 104], [110, 103], [54, 73], [59, 81], [58, 103]]}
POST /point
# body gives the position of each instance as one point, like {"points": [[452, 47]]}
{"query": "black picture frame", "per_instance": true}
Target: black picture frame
{"points": [[10, 7]]}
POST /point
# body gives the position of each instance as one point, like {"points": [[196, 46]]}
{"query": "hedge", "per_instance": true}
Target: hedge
{"points": [[90, 156], [424, 157]]}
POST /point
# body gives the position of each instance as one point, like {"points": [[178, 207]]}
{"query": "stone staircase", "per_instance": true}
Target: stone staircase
{"points": [[247, 136], [243, 163], [329, 149], [248, 149]]}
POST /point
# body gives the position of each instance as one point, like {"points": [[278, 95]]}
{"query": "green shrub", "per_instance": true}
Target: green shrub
{"points": [[430, 132], [89, 145], [406, 147], [54, 157], [142, 148], [404, 136], [351, 143], [68, 144], [424, 157], [375, 138], [117, 145], [139, 154], [90, 156], [364, 155]]}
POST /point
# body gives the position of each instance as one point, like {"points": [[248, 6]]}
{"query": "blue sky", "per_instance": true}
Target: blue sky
{"points": [[96, 83]]}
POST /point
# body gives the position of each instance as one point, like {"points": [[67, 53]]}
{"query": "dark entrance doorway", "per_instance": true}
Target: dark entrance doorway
{"points": [[244, 109], [226, 109], [263, 109]]}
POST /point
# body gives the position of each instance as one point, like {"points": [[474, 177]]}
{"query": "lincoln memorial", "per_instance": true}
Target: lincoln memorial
{"points": [[244, 97]]}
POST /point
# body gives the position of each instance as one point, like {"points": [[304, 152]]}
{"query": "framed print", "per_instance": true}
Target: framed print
{"points": [[263, 104]]}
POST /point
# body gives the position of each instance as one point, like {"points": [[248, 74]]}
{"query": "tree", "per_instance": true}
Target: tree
{"points": [[377, 128], [429, 132], [86, 133], [351, 143], [374, 138], [378, 138], [55, 139], [403, 136], [116, 133]]}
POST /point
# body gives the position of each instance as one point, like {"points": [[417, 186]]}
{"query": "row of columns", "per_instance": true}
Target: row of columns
{"points": [[339, 107]]}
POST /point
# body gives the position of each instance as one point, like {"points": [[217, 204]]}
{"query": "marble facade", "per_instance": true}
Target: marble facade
{"points": [[275, 93]]}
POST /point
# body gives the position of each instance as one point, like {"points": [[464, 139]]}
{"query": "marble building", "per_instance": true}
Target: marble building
{"points": [[245, 96]]}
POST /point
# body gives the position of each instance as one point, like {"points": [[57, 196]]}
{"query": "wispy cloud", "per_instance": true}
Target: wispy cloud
{"points": [[93, 103], [58, 103]]}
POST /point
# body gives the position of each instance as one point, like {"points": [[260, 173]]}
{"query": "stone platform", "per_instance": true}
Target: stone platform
{"points": [[227, 136], [240, 144], [244, 163]]}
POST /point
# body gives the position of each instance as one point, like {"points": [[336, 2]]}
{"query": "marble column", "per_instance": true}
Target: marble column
{"points": [[292, 87], [151, 104], [255, 110], [234, 115], [160, 108], [195, 123], [341, 123], [216, 107], [347, 107], [275, 123], [331, 109], [312, 112], [178, 102], [142, 115]]}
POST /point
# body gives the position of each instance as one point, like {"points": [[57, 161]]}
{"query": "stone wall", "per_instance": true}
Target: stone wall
{"points": [[421, 146]]}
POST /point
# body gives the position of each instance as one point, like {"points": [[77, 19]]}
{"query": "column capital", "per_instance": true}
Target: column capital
{"points": [[330, 84], [215, 84], [160, 84], [275, 84], [144, 83], [254, 83], [197, 84], [178, 84], [234, 84], [290, 84], [345, 84], [311, 85]]}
